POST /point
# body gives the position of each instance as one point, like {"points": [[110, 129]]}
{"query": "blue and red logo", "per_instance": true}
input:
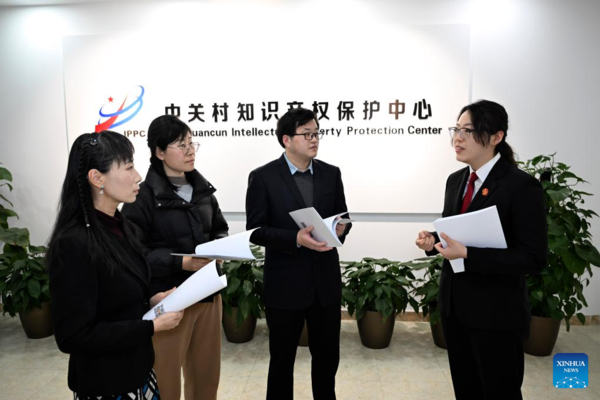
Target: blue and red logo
{"points": [[127, 110]]}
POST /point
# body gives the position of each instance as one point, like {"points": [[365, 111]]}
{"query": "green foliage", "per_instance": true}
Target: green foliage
{"points": [[427, 287], [244, 286], [23, 278], [377, 285], [558, 291]]}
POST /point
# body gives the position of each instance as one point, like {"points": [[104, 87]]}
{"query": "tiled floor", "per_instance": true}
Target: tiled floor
{"points": [[411, 368]]}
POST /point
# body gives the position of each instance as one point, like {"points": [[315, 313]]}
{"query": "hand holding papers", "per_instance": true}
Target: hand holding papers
{"points": [[324, 229], [235, 247], [198, 286], [477, 229]]}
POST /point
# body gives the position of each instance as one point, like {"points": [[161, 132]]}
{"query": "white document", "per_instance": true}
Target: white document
{"points": [[476, 229], [324, 229], [202, 284], [235, 247]]}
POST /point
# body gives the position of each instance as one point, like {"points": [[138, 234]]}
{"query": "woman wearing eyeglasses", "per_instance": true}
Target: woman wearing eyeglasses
{"points": [[177, 210], [485, 310]]}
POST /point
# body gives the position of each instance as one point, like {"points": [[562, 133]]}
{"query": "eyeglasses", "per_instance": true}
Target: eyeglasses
{"points": [[310, 136], [187, 148], [464, 133]]}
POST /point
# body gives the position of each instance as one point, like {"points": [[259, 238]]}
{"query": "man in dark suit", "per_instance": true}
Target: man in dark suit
{"points": [[302, 278], [485, 311]]}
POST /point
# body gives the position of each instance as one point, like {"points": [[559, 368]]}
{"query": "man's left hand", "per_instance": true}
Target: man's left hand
{"points": [[454, 249]]}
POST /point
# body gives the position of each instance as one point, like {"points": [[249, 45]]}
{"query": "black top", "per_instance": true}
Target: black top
{"points": [[294, 276], [492, 292], [174, 225], [97, 314]]}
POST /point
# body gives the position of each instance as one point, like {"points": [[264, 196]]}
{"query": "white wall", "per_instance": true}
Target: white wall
{"points": [[537, 58]]}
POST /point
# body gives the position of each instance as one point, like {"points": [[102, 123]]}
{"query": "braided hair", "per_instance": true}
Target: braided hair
{"points": [[76, 210]]}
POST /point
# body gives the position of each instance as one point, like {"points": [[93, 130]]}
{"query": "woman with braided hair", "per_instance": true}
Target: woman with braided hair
{"points": [[99, 277]]}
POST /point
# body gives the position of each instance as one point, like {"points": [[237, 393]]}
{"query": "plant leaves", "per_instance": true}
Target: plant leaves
{"points": [[5, 175], [34, 288], [15, 236], [247, 288]]}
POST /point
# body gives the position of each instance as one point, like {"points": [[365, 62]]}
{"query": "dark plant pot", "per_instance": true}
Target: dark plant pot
{"points": [[542, 336], [374, 333], [37, 323], [438, 335], [304, 337], [244, 333]]}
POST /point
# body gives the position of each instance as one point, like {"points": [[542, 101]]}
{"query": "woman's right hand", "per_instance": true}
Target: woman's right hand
{"points": [[167, 321], [425, 241], [193, 264]]}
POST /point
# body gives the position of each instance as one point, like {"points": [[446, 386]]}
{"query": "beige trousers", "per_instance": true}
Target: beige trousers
{"points": [[194, 345]]}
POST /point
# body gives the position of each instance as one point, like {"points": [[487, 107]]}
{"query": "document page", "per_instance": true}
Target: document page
{"points": [[203, 283], [480, 228], [324, 230], [234, 247]]}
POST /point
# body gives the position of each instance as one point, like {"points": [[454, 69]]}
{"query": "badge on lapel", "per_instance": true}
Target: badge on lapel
{"points": [[485, 192]]}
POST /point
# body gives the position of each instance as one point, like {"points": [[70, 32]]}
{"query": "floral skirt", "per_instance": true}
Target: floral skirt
{"points": [[148, 392]]}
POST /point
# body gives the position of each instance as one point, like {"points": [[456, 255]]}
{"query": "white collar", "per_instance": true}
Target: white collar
{"points": [[484, 171]]}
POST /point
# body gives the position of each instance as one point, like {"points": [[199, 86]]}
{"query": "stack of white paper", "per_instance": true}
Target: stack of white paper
{"points": [[235, 247], [324, 229], [202, 284], [475, 229]]}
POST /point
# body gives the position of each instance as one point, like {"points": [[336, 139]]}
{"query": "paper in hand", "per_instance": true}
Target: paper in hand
{"points": [[200, 285], [480, 228], [323, 229], [234, 247]]}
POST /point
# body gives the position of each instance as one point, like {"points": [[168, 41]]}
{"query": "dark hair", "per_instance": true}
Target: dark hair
{"points": [[293, 119], [76, 207], [488, 118], [163, 131]]}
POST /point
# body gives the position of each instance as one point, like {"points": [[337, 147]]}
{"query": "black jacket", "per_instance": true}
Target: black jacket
{"points": [[492, 292], [97, 317], [173, 225], [294, 276]]}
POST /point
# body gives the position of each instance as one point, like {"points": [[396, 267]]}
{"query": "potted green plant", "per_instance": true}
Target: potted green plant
{"points": [[557, 292], [426, 289], [374, 291], [242, 299], [24, 282]]}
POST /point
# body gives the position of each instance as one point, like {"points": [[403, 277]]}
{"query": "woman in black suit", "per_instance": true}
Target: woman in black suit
{"points": [[485, 309], [99, 278]]}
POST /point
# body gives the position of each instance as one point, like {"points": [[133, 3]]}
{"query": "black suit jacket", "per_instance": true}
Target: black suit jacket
{"points": [[492, 292], [294, 276], [97, 316]]}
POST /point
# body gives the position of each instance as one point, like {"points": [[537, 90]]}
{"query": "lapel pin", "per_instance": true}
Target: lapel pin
{"points": [[485, 192]]}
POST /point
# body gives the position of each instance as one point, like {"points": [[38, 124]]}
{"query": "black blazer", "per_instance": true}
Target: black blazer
{"points": [[97, 317], [294, 276], [492, 292], [173, 225]]}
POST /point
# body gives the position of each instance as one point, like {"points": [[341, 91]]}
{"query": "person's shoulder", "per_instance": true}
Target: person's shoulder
{"points": [[458, 175], [325, 166], [76, 234], [268, 167], [521, 178], [72, 240]]}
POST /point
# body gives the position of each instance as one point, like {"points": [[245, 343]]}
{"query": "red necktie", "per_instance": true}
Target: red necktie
{"points": [[469, 194]]}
